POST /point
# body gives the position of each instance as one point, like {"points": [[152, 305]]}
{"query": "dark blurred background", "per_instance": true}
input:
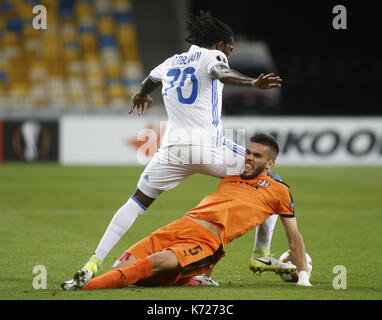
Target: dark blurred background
{"points": [[325, 71]]}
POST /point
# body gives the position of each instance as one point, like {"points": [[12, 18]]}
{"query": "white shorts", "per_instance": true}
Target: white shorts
{"points": [[171, 165]]}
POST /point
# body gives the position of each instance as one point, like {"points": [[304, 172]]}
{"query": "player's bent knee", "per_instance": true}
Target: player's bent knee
{"points": [[143, 199], [125, 260], [164, 261]]}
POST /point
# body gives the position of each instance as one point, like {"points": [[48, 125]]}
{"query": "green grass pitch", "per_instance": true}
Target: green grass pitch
{"points": [[54, 216]]}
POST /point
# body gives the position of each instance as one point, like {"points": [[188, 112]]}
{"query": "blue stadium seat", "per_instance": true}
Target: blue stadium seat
{"points": [[6, 6], [15, 24], [107, 40], [123, 18], [66, 9], [33, 2], [132, 83], [87, 28], [4, 77]]}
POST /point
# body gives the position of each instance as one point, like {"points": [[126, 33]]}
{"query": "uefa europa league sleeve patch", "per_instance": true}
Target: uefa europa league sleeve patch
{"points": [[222, 59]]}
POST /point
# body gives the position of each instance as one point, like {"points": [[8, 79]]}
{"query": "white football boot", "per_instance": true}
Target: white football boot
{"points": [[202, 280], [80, 280], [262, 260]]}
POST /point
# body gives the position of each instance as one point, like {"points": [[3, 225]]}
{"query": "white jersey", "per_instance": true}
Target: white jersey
{"points": [[192, 97]]}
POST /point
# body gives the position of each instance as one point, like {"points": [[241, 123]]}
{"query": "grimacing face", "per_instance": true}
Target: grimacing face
{"points": [[258, 160]]}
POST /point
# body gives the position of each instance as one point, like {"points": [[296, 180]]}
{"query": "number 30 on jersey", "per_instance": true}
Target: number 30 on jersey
{"points": [[175, 75]]}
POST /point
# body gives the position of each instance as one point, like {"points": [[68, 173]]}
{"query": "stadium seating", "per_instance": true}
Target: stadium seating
{"points": [[86, 58]]}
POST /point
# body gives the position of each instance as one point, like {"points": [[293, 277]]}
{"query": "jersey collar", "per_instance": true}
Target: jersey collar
{"points": [[194, 48]]}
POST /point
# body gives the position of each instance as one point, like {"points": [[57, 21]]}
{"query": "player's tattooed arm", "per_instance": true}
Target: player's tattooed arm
{"points": [[141, 100], [233, 77]]}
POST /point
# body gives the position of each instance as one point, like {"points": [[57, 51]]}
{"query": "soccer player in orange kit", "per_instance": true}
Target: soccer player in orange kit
{"points": [[192, 245]]}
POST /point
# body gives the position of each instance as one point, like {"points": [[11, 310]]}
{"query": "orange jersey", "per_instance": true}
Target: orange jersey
{"points": [[239, 205]]}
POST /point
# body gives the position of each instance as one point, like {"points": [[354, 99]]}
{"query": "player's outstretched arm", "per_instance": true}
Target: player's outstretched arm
{"points": [[297, 247], [141, 100], [233, 77]]}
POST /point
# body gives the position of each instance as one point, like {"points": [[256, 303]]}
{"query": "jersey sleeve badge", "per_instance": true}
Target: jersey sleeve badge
{"points": [[221, 59]]}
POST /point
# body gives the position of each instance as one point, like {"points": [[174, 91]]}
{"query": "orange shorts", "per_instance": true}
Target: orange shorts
{"points": [[196, 248]]}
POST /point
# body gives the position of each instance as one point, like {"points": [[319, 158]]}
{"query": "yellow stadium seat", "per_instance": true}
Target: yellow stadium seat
{"points": [[76, 92], [10, 39], [117, 103], [106, 25], [126, 35], [68, 31], [74, 68], [56, 86], [90, 56], [56, 67], [95, 80], [110, 55], [101, 6], [94, 76], [71, 54], [96, 83], [130, 54], [29, 31], [133, 70], [122, 5], [24, 9], [116, 91], [113, 70], [83, 10], [3, 99], [37, 72], [51, 47], [19, 88], [88, 43], [97, 99], [38, 96]]}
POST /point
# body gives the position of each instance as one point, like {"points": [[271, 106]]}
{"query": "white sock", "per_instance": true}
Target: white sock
{"points": [[264, 233], [120, 223]]}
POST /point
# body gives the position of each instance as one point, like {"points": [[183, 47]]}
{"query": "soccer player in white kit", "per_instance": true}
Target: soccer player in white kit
{"points": [[192, 87]]}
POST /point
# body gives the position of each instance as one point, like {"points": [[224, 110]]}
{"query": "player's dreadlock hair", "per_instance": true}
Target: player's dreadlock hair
{"points": [[205, 30]]}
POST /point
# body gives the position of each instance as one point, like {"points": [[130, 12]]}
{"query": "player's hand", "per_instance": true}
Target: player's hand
{"points": [[267, 81], [141, 103]]}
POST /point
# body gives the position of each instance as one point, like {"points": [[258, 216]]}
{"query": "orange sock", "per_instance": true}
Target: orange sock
{"points": [[119, 278]]}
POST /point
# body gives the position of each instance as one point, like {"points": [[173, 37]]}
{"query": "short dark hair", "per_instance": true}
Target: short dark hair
{"points": [[205, 30], [267, 140]]}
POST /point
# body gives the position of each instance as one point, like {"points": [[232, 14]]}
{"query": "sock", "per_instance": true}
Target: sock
{"points": [[120, 223], [264, 233], [123, 277]]}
